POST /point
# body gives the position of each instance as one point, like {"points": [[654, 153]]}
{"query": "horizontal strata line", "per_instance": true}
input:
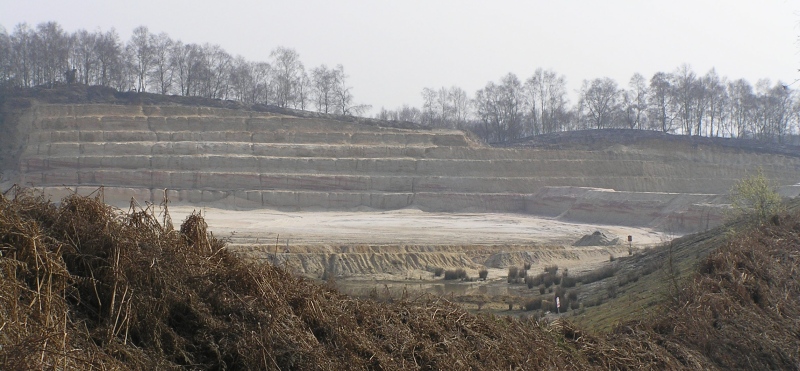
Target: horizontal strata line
{"points": [[320, 158], [343, 192], [535, 196], [483, 175], [367, 176], [197, 149], [272, 131], [70, 136]]}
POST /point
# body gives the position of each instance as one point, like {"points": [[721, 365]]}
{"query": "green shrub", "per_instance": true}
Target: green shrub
{"points": [[757, 196]]}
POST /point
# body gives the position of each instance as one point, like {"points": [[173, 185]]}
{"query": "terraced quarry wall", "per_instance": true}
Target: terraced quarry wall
{"points": [[242, 159]]}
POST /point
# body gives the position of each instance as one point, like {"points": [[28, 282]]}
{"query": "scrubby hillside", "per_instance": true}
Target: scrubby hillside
{"points": [[85, 286]]}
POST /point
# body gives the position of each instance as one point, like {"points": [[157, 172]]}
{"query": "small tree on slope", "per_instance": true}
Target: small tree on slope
{"points": [[755, 195]]}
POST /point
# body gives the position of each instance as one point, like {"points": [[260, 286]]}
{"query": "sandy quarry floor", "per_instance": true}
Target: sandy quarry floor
{"points": [[251, 231], [406, 227]]}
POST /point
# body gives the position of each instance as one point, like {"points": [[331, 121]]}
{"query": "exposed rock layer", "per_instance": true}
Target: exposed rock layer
{"points": [[243, 159]]}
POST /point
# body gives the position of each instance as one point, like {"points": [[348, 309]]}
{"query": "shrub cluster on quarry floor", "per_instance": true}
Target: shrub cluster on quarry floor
{"points": [[85, 286]]}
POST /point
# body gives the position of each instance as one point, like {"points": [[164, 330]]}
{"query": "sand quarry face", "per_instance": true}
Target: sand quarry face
{"points": [[354, 198]]}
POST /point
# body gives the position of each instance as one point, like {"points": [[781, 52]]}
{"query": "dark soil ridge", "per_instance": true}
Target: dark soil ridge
{"points": [[83, 94], [603, 139], [85, 286]]}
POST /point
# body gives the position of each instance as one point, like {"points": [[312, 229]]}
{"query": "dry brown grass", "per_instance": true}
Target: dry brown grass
{"points": [[85, 286]]}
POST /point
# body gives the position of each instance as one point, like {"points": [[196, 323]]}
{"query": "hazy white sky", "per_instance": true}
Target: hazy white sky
{"points": [[392, 49]]}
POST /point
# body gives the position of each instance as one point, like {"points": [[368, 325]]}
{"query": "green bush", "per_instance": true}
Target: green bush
{"points": [[757, 196]]}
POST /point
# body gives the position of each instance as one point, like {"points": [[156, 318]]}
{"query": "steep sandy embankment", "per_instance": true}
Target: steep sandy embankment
{"points": [[245, 160]]}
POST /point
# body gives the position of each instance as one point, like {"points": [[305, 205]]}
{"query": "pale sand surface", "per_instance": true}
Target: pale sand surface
{"points": [[406, 227]]}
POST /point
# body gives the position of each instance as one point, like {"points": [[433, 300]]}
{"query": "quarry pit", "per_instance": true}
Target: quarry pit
{"points": [[377, 200]]}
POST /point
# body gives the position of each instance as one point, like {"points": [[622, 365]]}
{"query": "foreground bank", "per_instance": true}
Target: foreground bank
{"points": [[86, 286]]}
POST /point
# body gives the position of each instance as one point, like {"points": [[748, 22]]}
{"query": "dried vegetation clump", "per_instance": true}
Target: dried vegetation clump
{"points": [[742, 309], [85, 286]]}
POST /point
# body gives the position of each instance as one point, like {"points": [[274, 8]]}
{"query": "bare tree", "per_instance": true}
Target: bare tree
{"points": [[241, 80], [661, 102], [404, 113], [323, 83], [445, 107], [600, 100], [140, 49], [22, 46], [6, 62], [302, 91], [215, 72], [53, 46], [162, 73], [460, 106], [188, 63], [684, 82], [109, 57], [546, 92], [264, 87], [287, 70], [505, 110], [742, 100], [500, 109], [634, 102], [716, 100], [83, 55], [345, 102], [429, 107], [772, 110]]}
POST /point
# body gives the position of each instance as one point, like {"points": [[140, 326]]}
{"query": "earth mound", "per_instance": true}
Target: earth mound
{"points": [[505, 259], [597, 239]]}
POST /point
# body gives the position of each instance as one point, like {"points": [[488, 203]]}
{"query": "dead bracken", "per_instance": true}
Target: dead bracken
{"points": [[87, 286]]}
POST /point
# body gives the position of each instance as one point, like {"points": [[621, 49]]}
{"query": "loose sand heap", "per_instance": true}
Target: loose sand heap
{"points": [[597, 239]]}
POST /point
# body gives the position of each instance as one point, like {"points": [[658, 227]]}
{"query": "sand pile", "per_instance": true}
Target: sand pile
{"points": [[597, 239]]}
